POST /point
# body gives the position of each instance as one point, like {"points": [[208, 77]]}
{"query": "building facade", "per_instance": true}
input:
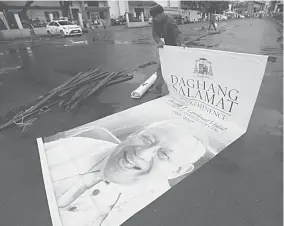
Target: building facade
{"points": [[36, 10], [88, 10], [97, 9], [119, 8], [255, 6], [278, 7]]}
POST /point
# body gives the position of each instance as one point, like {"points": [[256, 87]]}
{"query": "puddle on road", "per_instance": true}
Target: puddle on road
{"points": [[15, 59], [121, 42], [68, 72], [273, 125], [142, 43], [75, 43], [6, 70], [71, 42], [196, 44]]}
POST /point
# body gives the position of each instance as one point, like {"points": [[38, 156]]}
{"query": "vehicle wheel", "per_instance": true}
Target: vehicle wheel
{"points": [[49, 34], [62, 34]]}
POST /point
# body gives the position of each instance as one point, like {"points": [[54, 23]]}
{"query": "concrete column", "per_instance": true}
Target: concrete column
{"points": [[142, 17], [179, 5], [107, 19], [230, 7], [51, 16], [275, 8], [127, 18], [84, 13], [18, 21], [80, 20], [122, 9], [2, 16]]}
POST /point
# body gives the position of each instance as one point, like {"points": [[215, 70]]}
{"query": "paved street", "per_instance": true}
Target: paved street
{"points": [[242, 186]]}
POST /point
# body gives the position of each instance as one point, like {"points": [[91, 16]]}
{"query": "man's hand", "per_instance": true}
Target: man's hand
{"points": [[160, 44], [74, 190], [183, 45]]}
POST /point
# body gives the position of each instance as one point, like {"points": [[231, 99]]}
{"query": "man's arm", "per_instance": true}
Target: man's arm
{"points": [[155, 34], [70, 193], [177, 33]]}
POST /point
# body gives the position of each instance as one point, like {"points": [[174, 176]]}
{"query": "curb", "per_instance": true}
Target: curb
{"points": [[20, 34], [278, 22]]}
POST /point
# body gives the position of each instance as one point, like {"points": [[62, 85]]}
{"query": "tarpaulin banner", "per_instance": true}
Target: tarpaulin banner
{"points": [[104, 172]]}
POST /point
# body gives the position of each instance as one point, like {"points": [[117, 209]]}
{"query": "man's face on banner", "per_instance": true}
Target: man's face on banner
{"points": [[161, 150]]}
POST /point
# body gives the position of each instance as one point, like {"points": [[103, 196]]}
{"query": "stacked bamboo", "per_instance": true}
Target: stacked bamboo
{"points": [[70, 94]]}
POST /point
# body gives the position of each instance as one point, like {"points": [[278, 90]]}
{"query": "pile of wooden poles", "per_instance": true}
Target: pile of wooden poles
{"points": [[69, 95]]}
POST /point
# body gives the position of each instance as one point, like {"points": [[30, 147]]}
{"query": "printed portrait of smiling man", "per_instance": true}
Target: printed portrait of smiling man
{"points": [[99, 179]]}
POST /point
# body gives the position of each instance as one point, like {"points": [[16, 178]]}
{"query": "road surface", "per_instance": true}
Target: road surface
{"points": [[242, 186]]}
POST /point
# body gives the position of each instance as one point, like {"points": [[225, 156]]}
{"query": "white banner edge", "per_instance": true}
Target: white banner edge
{"points": [[51, 200]]}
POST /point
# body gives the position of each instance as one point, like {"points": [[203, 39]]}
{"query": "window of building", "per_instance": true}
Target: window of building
{"points": [[2, 25], [11, 20], [93, 3], [47, 16], [138, 12], [102, 16], [55, 15], [75, 14]]}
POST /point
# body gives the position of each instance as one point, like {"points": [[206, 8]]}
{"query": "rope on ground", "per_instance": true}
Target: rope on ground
{"points": [[29, 122], [24, 124]]}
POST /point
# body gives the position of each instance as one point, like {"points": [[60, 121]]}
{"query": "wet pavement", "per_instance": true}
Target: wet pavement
{"points": [[242, 186]]}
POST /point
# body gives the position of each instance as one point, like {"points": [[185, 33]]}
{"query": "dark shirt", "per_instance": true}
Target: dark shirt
{"points": [[168, 30], [213, 19]]}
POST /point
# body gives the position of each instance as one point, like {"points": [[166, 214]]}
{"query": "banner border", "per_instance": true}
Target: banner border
{"points": [[51, 200]]}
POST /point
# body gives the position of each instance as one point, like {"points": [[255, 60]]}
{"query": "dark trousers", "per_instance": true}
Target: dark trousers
{"points": [[160, 82], [33, 35], [212, 24]]}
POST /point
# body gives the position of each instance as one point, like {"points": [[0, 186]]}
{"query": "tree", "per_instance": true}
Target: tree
{"points": [[23, 13], [211, 6], [272, 5], [217, 6], [65, 8]]}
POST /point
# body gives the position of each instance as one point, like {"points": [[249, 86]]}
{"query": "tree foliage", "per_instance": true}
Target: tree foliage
{"points": [[217, 6], [65, 8], [208, 6], [23, 13]]}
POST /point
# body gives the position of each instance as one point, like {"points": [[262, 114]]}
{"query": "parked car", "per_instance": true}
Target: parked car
{"points": [[63, 28], [134, 19], [217, 17], [223, 17], [121, 20], [240, 16], [178, 20], [185, 20], [34, 22], [96, 22]]}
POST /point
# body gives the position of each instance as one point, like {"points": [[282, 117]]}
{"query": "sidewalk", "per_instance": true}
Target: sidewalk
{"points": [[237, 35], [280, 22]]}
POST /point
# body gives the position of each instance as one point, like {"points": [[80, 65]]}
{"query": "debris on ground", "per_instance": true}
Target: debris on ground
{"points": [[147, 64], [6, 70], [68, 95]]}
